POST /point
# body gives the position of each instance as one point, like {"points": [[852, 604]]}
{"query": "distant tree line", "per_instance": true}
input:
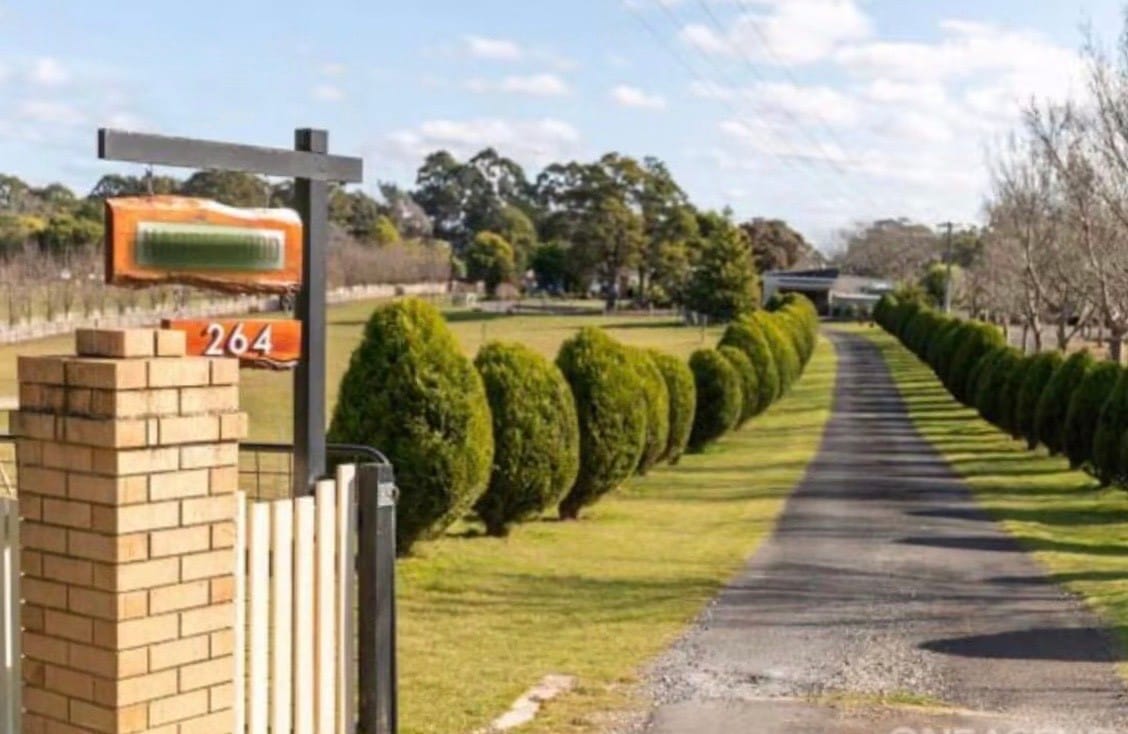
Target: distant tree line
{"points": [[616, 226]]}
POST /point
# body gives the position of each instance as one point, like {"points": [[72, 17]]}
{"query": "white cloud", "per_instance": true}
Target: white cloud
{"points": [[784, 102], [538, 85], [50, 112], [333, 68], [628, 96], [532, 141], [497, 49], [639, 4], [787, 32], [48, 72], [127, 121], [328, 93], [967, 51]]}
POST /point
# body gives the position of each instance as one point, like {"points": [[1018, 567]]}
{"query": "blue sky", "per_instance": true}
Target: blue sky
{"points": [[822, 112]]}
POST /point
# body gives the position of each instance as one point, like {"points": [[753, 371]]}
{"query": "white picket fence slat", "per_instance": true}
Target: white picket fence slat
{"points": [[282, 620], [346, 552], [9, 615], [294, 586], [303, 616]]}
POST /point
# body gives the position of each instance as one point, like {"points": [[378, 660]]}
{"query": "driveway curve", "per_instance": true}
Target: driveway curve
{"points": [[883, 582]]}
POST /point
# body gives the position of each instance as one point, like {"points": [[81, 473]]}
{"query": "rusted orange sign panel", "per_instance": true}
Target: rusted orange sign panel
{"points": [[263, 343], [176, 239]]}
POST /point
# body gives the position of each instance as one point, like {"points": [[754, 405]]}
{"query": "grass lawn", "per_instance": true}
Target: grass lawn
{"points": [[482, 620], [266, 395], [1078, 531]]}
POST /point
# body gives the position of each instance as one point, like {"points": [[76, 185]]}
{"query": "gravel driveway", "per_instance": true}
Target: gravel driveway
{"points": [[884, 579]]}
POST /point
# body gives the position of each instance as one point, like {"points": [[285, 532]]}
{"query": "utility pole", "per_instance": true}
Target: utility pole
{"points": [[948, 278]]}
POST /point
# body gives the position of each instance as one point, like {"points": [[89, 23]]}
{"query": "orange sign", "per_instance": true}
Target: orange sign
{"points": [[176, 239], [258, 343]]}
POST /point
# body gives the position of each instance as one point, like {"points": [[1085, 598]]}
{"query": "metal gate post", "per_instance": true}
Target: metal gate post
{"points": [[311, 197], [376, 571]]}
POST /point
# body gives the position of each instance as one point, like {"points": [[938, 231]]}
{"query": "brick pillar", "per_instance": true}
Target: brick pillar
{"points": [[127, 470]]}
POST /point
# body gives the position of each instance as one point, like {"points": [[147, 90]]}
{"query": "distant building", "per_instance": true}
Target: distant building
{"points": [[833, 294]]}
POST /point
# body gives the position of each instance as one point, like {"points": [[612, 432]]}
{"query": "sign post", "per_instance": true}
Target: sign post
{"points": [[312, 168]]}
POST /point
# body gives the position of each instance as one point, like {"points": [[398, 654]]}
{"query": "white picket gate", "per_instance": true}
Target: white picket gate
{"points": [[9, 615], [294, 592]]}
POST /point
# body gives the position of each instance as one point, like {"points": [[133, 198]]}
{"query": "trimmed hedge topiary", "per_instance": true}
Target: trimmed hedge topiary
{"points": [[719, 397], [784, 356], [976, 340], [1008, 403], [748, 388], [1054, 403], [883, 311], [657, 409], [683, 402], [807, 315], [536, 435], [410, 391], [991, 389], [800, 315], [1109, 434], [1042, 368], [904, 315], [946, 350], [747, 335], [936, 345], [979, 374], [1084, 410], [606, 387]]}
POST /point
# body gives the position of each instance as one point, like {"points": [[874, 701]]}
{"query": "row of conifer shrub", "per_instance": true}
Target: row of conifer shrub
{"points": [[511, 434], [1073, 405]]}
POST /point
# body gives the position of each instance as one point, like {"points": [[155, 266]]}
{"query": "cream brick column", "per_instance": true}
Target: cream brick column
{"points": [[127, 471]]}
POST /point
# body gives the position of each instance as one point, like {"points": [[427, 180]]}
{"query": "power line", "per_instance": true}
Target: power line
{"points": [[766, 45], [796, 161], [795, 119]]}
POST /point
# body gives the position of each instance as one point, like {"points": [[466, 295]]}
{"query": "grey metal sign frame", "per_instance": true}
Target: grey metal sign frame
{"points": [[312, 168]]}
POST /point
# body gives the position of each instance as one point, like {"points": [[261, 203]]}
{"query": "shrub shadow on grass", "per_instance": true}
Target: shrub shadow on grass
{"points": [[658, 323], [554, 595]]}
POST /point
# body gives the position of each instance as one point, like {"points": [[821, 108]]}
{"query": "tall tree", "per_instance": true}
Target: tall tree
{"points": [[775, 245], [233, 188], [610, 237], [897, 249], [724, 283]]}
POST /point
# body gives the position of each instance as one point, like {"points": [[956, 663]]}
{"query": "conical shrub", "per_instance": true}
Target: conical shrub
{"points": [[977, 340], [1053, 406], [1008, 402], [719, 397], [1084, 410], [747, 335], [657, 409], [1107, 439], [410, 391], [536, 435], [683, 402], [1041, 369], [748, 387], [607, 389], [991, 389], [784, 356]]}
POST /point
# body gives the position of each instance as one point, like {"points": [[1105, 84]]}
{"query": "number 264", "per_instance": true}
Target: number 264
{"points": [[237, 343]]}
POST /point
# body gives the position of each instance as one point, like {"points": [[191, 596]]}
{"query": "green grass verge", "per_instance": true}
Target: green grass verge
{"points": [[482, 620], [1078, 531]]}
